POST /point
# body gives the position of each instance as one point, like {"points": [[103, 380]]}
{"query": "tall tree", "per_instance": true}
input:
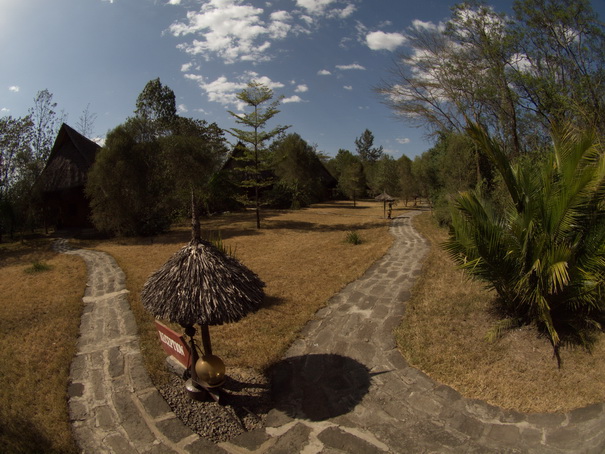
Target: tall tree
{"points": [[86, 122], [149, 167], [256, 138], [365, 149], [408, 185], [299, 170], [156, 108], [192, 153], [562, 50], [382, 176], [352, 180], [339, 162], [540, 68], [46, 123], [15, 155], [128, 187]]}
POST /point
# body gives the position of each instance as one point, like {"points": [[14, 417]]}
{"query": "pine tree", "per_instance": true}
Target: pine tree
{"points": [[256, 138]]}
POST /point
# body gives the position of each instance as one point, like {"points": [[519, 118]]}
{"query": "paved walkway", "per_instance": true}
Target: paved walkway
{"points": [[342, 387]]}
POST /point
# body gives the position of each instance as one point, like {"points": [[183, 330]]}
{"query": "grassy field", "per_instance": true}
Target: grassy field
{"points": [[301, 255], [443, 334], [303, 258], [39, 322]]}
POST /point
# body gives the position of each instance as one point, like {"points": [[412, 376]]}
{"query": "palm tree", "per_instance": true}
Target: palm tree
{"points": [[544, 253]]}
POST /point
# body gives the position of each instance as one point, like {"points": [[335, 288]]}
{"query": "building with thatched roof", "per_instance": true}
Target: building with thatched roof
{"points": [[64, 177]]}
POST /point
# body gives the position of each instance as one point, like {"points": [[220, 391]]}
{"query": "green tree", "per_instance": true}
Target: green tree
{"points": [[544, 254], [128, 187], [156, 108], [352, 180], [382, 176], [562, 44], [540, 68], [340, 161], [150, 167], [299, 170], [365, 147], [15, 160], [408, 186], [191, 155], [256, 138]]}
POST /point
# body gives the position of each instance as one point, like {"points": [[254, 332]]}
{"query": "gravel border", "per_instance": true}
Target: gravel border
{"points": [[244, 403]]}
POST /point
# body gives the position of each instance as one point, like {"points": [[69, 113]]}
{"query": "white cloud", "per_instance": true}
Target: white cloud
{"points": [[347, 11], [301, 88], [347, 87], [182, 108], [225, 91], [384, 41], [174, 2], [403, 140], [352, 66], [427, 26], [14, 88], [326, 8], [186, 67], [232, 31], [314, 6], [294, 98], [324, 72], [281, 16], [4, 110], [307, 19]]}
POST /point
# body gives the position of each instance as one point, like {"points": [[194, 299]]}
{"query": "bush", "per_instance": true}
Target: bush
{"points": [[38, 267], [353, 237], [544, 252]]}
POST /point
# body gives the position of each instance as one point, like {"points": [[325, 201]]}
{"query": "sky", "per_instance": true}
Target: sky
{"points": [[323, 57]]}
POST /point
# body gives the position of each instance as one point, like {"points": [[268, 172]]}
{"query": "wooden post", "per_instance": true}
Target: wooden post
{"points": [[190, 331], [206, 340]]}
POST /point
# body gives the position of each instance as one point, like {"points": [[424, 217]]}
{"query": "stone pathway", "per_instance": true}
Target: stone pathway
{"points": [[113, 405], [342, 387]]}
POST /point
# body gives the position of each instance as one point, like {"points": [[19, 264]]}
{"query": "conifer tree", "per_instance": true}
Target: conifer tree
{"points": [[256, 138]]}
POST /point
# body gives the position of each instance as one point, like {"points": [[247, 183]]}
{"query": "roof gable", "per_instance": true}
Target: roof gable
{"points": [[70, 159]]}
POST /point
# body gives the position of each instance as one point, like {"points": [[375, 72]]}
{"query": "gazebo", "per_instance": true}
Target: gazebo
{"points": [[200, 284], [384, 197]]}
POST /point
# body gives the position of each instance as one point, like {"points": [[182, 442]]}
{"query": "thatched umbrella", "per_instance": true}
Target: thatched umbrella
{"points": [[384, 197], [200, 284]]}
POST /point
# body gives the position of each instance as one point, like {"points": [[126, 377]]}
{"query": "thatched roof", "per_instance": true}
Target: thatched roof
{"points": [[69, 161], [384, 197], [200, 284]]}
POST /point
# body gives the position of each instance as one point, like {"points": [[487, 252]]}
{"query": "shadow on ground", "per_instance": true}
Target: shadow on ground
{"points": [[318, 387]]}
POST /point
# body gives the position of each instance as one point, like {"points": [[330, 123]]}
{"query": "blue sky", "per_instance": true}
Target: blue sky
{"points": [[323, 56]]}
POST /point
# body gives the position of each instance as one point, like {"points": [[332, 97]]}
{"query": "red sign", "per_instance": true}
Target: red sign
{"points": [[173, 344]]}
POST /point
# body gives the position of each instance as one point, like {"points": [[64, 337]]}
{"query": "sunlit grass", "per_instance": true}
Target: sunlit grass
{"points": [[300, 255], [39, 324], [444, 334]]}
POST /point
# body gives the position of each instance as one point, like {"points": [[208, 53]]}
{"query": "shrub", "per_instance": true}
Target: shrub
{"points": [[544, 253], [38, 267], [353, 237]]}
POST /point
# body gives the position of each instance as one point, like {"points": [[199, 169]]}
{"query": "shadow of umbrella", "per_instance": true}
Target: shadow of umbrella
{"points": [[318, 387]]}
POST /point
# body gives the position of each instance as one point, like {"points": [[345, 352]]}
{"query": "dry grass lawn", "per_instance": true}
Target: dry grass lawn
{"points": [[39, 322], [303, 258], [443, 334], [301, 255]]}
